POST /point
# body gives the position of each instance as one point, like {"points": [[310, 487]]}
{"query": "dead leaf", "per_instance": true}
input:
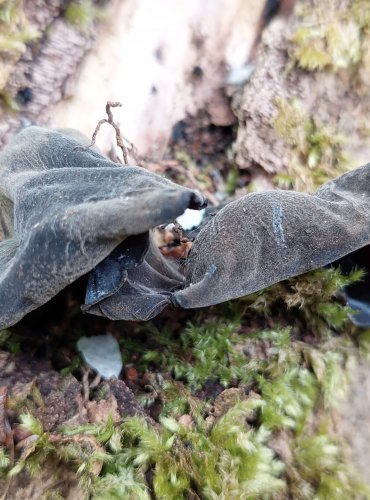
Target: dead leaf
{"points": [[100, 411]]}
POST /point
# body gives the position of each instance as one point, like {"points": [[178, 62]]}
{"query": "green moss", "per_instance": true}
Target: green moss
{"points": [[79, 455], [103, 432], [327, 38], [72, 367], [15, 33], [230, 453], [332, 38], [122, 482], [81, 13], [233, 452], [199, 354], [8, 102], [319, 470], [363, 340], [335, 45], [316, 152], [189, 174], [294, 381], [268, 440], [360, 11], [232, 181], [9, 341], [310, 298], [228, 457], [287, 399], [4, 461], [213, 352]]}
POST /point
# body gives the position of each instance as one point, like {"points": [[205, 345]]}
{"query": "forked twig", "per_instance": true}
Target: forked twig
{"points": [[110, 120], [119, 138]]}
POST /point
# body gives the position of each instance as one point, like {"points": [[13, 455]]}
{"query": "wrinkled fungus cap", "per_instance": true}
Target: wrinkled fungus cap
{"points": [[264, 238], [67, 211], [64, 209]]}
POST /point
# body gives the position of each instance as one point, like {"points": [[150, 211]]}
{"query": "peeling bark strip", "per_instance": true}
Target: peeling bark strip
{"points": [[77, 213], [43, 71]]}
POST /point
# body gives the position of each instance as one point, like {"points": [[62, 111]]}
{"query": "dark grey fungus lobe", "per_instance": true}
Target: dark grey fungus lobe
{"points": [[264, 238], [67, 211], [64, 209]]}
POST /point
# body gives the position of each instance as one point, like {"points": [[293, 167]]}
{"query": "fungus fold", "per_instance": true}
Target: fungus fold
{"points": [[68, 211]]}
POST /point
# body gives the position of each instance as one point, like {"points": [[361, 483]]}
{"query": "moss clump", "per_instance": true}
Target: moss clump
{"points": [[202, 352], [228, 457], [81, 13], [4, 461], [316, 152], [334, 45], [232, 181], [15, 33], [241, 411], [82, 455], [328, 37], [9, 342], [333, 38], [188, 173], [310, 298], [320, 452], [233, 452], [284, 382], [360, 12]]}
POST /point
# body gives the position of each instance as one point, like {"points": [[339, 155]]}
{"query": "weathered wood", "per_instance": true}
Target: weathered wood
{"points": [[39, 78]]}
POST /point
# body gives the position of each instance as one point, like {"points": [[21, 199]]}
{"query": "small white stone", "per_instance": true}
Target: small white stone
{"points": [[190, 218], [240, 75], [102, 353]]}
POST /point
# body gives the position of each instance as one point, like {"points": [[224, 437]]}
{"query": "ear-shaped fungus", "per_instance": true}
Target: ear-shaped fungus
{"points": [[143, 292], [65, 208], [67, 211], [264, 238]]}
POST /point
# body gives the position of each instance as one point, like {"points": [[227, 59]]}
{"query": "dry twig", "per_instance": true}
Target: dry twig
{"points": [[110, 120], [119, 139]]}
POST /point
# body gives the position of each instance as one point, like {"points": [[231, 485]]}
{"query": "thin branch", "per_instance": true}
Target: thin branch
{"points": [[120, 140]]}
